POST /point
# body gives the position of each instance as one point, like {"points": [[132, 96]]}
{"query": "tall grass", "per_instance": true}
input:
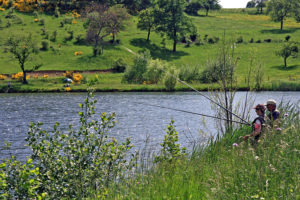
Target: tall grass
{"points": [[222, 170]]}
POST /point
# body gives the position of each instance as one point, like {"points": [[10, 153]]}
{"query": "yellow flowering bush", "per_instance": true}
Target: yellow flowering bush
{"points": [[74, 22], [67, 89], [77, 78], [19, 76], [28, 5], [78, 53], [68, 74], [4, 3], [2, 77], [36, 20], [75, 14], [2, 9], [45, 76]]}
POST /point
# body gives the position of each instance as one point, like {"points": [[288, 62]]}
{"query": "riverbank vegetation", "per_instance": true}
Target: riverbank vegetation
{"points": [[61, 38], [86, 162]]}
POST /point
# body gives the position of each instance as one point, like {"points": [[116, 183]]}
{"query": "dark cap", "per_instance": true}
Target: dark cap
{"points": [[260, 107]]}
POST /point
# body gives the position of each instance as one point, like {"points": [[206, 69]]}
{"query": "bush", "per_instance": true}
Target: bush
{"points": [[70, 36], [211, 40], [134, 74], [53, 36], [42, 22], [68, 20], [251, 40], [198, 43], [154, 72], [17, 20], [170, 80], [258, 41], [287, 38], [193, 37], [79, 39], [45, 45], [73, 164], [119, 66], [239, 40], [268, 40], [183, 40], [189, 74], [36, 14], [56, 12]]}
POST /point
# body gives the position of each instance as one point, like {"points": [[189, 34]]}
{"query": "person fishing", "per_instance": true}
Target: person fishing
{"points": [[257, 124], [273, 115]]}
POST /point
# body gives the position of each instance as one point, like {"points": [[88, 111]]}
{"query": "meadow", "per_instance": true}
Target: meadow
{"points": [[260, 39]]}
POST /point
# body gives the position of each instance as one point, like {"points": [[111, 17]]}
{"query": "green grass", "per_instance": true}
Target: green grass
{"points": [[235, 22], [269, 170]]}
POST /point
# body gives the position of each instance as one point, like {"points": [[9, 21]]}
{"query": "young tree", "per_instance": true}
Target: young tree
{"points": [[288, 49], [210, 5], [118, 15], [171, 19], [97, 21], [279, 10], [260, 4], [22, 48], [146, 21]]}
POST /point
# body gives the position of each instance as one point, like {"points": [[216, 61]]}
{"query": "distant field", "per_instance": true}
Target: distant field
{"points": [[234, 22]]}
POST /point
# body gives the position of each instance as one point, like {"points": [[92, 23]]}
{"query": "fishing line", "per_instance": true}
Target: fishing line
{"points": [[244, 121], [194, 113]]}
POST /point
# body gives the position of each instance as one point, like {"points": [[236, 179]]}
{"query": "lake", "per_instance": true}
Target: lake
{"points": [[137, 121]]}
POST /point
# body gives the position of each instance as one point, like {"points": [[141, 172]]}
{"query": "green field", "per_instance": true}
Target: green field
{"points": [[235, 23]]}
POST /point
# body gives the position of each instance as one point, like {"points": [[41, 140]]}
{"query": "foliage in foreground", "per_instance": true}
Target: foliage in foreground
{"points": [[76, 164], [228, 168]]}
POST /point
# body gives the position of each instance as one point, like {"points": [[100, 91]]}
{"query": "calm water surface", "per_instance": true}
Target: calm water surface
{"points": [[134, 120]]}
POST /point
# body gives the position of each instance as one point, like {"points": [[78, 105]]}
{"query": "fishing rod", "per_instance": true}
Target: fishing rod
{"points": [[194, 113], [244, 121]]}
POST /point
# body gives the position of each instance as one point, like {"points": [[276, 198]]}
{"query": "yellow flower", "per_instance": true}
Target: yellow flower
{"points": [[2, 77], [36, 20], [45, 76], [74, 22], [67, 89], [2, 9]]}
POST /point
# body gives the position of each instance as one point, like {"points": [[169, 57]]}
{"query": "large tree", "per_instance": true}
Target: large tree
{"points": [[146, 21], [210, 5], [171, 19], [22, 48], [280, 9]]}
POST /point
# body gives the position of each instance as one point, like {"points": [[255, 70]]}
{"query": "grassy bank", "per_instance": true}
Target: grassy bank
{"points": [[222, 170], [237, 23]]}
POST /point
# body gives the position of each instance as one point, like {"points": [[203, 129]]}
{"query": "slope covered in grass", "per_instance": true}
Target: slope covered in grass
{"points": [[222, 170]]}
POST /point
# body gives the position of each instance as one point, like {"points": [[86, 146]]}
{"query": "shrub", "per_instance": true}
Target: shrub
{"points": [[211, 40], [287, 38], [69, 164], [42, 22], [268, 40], [239, 40], [68, 20], [193, 37], [45, 45], [154, 72], [189, 74], [79, 39], [216, 39], [36, 14], [119, 66], [61, 24], [77, 77], [56, 12], [205, 37], [70, 36], [170, 80], [183, 40], [69, 74], [53, 36], [251, 40], [17, 20], [258, 41], [134, 74], [198, 43]]}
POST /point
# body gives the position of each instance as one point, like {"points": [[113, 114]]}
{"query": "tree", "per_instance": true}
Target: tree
{"points": [[101, 22], [22, 48], [171, 19], [279, 10], [287, 50], [260, 4], [193, 7], [210, 5], [146, 21], [118, 15], [250, 4]]}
